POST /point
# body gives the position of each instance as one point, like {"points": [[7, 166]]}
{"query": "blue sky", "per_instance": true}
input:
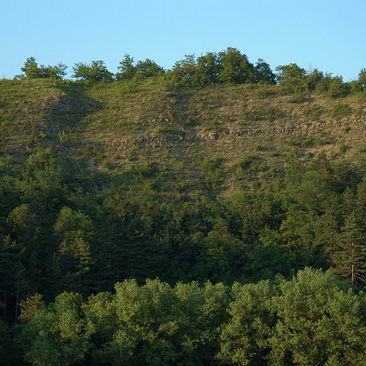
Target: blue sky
{"points": [[324, 34]]}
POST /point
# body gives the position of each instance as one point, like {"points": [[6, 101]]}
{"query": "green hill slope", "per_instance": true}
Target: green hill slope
{"points": [[114, 126]]}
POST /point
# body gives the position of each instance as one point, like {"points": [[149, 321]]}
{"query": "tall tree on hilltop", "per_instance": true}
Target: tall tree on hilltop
{"points": [[31, 69], [263, 73], [291, 77], [236, 67], [127, 69], [209, 65]]}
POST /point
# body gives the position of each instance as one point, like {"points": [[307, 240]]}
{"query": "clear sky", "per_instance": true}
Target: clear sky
{"points": [[324, 34]]}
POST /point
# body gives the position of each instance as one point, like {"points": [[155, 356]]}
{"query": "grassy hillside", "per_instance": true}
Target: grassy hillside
{"points": [[223, 133]]}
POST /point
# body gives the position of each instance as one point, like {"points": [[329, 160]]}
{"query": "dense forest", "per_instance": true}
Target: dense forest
{"points": [[210, 214]]}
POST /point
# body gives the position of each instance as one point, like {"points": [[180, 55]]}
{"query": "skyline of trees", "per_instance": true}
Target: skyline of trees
{"points": [[229, 66]]}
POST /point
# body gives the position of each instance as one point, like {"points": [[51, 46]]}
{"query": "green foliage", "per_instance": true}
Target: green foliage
{"points": [[186, 72], [126, 68], [74, 230], [264, 73], [311, 319], [96, 71], [223, 249], [209, 65], [147, 69], [30, 307], [337, 88], [245, 338], [235, 67], [229, 66], [349, 252], [32, 71], [362, 79], [152, 324], [291, 77], [318, 321], [31, 68], [316, 80], [55, 335], [56, 72]]}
